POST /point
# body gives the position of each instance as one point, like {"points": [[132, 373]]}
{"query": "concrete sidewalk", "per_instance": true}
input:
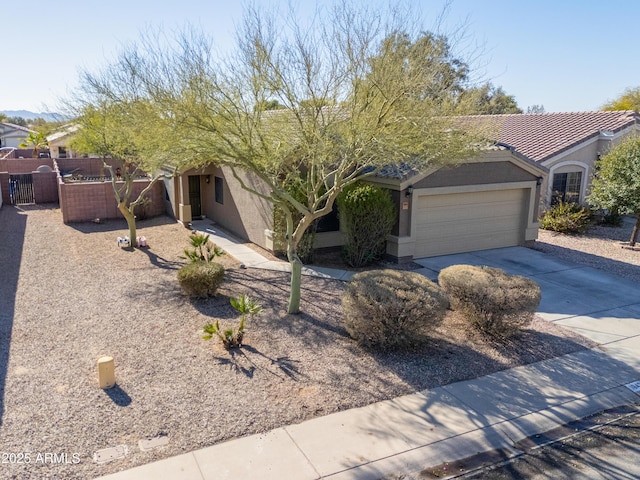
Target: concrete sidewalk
{"points": [[252, 259], [459, 420]]}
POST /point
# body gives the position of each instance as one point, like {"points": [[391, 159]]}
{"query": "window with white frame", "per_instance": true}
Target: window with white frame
{"points": [[566, 187]]}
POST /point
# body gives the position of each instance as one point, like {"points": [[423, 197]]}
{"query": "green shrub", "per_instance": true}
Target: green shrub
{"points": [[566, 218], [388, 309], [367, 215], [607, 218], [492, 300], [201, 278]]}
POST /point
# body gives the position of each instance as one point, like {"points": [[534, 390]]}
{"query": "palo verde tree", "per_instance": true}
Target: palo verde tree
{"points": [[126, 130], [616, 184], [628, 100], [355, 91]]}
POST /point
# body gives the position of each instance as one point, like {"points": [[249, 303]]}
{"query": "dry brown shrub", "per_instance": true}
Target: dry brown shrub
{"points": [[491, 299], [388, 309]]}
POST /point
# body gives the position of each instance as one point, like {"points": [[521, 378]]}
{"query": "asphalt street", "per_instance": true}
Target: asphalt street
{"points": [[603, 446]]}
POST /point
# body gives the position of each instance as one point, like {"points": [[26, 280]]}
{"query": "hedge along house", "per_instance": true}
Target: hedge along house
{"points": [[488, 202], [567, 144]]}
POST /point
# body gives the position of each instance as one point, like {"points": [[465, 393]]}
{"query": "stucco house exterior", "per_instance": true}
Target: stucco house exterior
{"points": [[486, 202], [490, 201], [59, 142], [13, 135], [567, 144]]}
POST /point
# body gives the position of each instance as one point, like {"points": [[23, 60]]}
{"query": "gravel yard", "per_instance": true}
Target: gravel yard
{"points": [[600, 248], [69, 295]]}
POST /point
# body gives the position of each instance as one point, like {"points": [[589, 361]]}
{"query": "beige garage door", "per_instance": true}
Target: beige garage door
{"points": [[464, 222]]}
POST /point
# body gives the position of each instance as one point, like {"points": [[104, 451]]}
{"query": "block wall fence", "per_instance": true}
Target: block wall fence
{"points": [[79, 201]]}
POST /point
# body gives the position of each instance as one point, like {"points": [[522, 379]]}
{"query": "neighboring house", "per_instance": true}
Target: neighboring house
{"points": [[59, 142], [568, 144], [13, 135], [488, 202]]}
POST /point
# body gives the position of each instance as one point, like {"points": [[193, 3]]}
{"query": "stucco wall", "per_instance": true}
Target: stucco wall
{"points": [[244, 214], [581, 158], [475, 174]]}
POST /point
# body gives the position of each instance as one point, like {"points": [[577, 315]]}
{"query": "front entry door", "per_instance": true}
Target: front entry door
{"points": [[194, 196]]}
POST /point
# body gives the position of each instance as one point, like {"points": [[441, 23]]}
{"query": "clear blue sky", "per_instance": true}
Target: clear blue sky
{"points": [[568, 55]]}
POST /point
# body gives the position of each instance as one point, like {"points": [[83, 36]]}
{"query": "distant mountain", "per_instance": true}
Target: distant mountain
{"points": [[27, 115]]}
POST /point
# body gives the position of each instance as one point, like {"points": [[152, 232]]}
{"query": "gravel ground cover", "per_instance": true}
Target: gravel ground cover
{"points": [[601, 247], [69, 295]]}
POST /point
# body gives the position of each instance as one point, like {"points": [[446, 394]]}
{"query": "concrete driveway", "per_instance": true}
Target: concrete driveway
{"points": [[601, 306]]}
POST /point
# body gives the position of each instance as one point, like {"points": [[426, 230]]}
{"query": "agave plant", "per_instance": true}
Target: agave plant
{"points": [[245, 305]]}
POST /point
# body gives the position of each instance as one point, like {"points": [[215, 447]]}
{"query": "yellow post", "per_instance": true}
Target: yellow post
{"points": [[106, 372]]}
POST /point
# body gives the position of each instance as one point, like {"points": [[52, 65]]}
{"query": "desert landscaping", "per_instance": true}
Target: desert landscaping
{"points": [[74, 296]]}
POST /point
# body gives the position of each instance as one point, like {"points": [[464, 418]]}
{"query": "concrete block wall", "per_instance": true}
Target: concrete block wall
{"points": [[44, 183], [81, 202], [86, 166], [4, 181], [23, 165], [45, 187]]}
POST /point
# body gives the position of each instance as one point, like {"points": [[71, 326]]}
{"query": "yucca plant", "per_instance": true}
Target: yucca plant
{"points": [[230, 338], [202, 249]]}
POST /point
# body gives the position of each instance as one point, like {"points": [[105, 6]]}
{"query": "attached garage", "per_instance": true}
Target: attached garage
{"points": [[490, 201], [464, 222]]}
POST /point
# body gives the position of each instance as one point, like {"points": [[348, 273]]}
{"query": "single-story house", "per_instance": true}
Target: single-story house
{"points": [[13, 135], [567, 144], [487, 202], [59, 142]]}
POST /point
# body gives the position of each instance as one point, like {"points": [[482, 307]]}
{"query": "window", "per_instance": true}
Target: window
{"points": [[566, 187], [218, 187], [62, 152]]}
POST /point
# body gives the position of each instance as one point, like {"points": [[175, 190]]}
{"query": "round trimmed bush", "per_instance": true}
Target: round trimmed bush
{"points": [[201, 279], [491, 299], [388, 309]]}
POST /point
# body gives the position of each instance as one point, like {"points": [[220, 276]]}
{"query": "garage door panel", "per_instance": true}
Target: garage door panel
{"points": [[478, 226], [460, 244], [463, 222], [466, 212], [471, 198]]}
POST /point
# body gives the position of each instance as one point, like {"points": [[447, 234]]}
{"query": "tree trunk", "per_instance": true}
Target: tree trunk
{"points": [[636, 230], [131, 222], [296, 279]]}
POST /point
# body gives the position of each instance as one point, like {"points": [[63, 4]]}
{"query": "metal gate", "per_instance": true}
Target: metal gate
{"points": [[21, 189]]}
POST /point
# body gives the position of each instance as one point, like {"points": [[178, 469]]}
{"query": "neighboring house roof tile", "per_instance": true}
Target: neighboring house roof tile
{"points": [[540, 136]]}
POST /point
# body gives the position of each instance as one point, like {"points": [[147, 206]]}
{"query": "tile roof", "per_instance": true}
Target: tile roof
{"points": [[540, 136]]}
